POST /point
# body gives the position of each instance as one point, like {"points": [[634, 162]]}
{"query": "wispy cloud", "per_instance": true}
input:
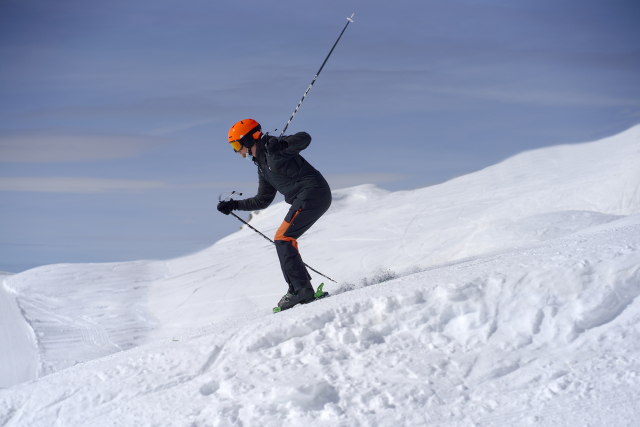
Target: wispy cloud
{"points": [[104, 185], [516, 95], [344, 180], [75, 185], [183, 126], [59, 146]]}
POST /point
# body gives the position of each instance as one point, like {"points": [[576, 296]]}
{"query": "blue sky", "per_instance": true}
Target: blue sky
{"points": [[114, 115]]}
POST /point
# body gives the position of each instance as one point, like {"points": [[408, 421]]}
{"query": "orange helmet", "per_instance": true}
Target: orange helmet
{"points": [[244, 133]]}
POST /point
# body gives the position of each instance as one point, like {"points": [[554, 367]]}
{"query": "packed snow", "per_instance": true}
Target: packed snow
{"points": [[503, 297]]}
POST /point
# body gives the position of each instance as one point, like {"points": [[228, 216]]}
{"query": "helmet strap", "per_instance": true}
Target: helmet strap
{"points": [[248, 140]]}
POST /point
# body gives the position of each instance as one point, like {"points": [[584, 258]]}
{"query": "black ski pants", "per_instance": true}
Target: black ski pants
{"points": [[305, 210]]}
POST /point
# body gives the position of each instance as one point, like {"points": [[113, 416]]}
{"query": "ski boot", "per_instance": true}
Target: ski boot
{"points": [[303, 296]]}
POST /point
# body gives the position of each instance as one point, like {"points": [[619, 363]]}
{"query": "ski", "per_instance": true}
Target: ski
{"points": [[318, 295]]}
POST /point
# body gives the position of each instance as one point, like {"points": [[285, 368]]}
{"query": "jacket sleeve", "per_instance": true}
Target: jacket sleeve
{"points": [[295, 144], [266, 194]]}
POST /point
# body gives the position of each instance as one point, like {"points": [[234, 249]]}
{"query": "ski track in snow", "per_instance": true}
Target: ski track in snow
{"points": [[508, 297], [17, 350], [81, 312]]}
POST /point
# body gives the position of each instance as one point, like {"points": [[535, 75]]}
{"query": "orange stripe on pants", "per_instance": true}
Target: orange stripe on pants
{"points": [[283, 229]]}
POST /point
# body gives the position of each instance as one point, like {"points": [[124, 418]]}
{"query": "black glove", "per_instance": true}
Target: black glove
{"points": [[276, 145], [227, 206]]}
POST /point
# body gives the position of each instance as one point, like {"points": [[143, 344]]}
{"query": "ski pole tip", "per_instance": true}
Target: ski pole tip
{"points": [[351, 19]]}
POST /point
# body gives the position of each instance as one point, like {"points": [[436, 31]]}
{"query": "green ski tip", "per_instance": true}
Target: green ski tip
{"points": [[319, 292], [277, 309]]}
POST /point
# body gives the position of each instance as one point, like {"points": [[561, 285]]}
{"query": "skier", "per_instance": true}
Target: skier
{"points": [[282, 168]]}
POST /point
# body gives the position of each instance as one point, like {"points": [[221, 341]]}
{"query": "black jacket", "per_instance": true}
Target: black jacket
{"points": [[285, 171]]}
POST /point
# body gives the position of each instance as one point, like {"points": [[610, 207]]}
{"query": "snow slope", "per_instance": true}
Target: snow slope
{"points": [[514, 302], [545, 335]]}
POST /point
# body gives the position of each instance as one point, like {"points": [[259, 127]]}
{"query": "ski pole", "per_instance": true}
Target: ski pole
{"points": [[251, 227], [349, 20], [306, 265], [254, 229]]}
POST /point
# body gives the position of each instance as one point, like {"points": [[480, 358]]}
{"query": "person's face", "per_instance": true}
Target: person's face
{"points": [[244, 150]]}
